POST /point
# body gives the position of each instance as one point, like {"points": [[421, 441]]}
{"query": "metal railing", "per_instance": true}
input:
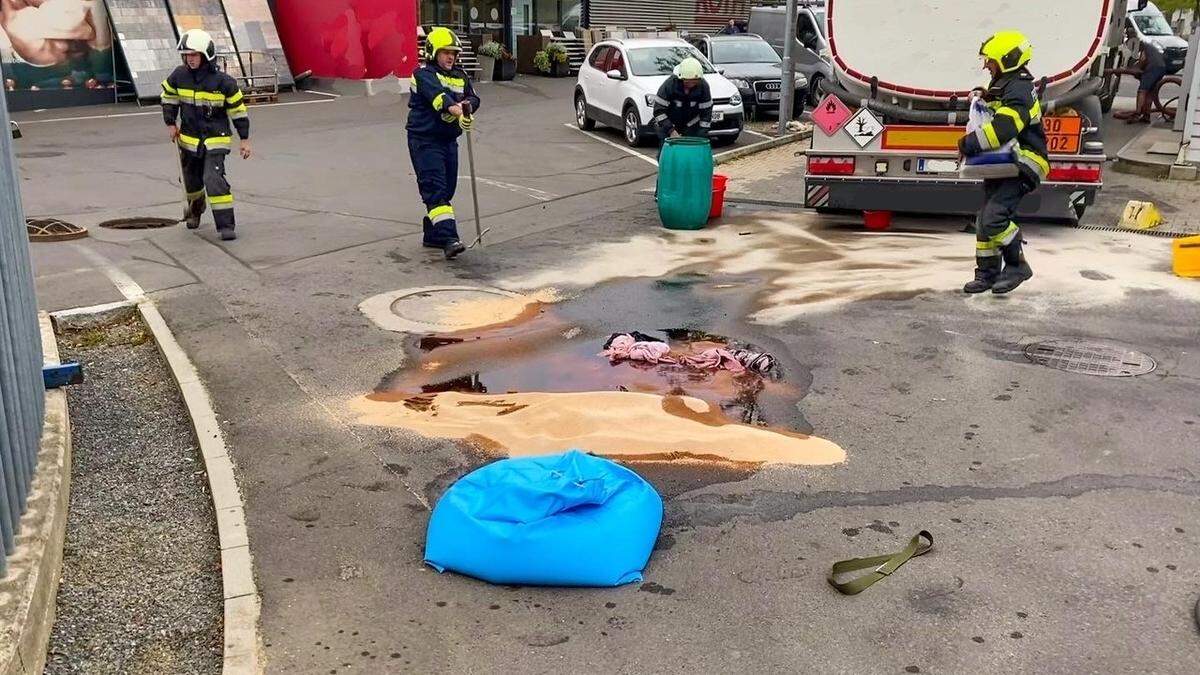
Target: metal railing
{"points": [[21, 389]]}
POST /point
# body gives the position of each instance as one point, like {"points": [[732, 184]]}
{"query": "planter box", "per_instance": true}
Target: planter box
{"points": [[505, 70], [559, 69], [487, 66]]}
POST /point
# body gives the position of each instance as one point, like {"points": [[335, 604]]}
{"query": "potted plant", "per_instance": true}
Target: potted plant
{"points": [[552, 60], [487, 62], [497, 62]]}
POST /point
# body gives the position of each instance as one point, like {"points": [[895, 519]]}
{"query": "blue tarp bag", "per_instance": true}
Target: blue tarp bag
{"points": [[570, 519], [999, 163]]}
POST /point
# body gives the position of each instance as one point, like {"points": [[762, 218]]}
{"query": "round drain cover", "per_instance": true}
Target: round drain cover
{"points": [[444, 309], [138, 223], [1090, 357], [53, 229]]}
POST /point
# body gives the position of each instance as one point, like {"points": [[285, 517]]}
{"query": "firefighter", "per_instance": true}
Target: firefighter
{"points": [[683, 105], [198, 103], [441, 107], [999, 263]]}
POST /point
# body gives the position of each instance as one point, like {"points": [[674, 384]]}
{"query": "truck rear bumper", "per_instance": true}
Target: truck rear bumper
{"points": [[950, 196]]}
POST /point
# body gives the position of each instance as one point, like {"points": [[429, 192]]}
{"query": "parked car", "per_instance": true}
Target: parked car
{"points": [[1151, 26], [753, 67], [810, 50], [618, 78]]}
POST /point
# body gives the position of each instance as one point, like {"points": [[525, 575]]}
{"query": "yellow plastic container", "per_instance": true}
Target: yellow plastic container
{"points": [[1186, 256]]}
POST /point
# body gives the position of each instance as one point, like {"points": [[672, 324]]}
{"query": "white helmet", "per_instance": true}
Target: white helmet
{"points": [[198, 41], [689, 69]]}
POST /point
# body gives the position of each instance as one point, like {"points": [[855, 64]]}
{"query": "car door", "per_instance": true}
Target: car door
{"points": [[614, 90], [590, 75]]}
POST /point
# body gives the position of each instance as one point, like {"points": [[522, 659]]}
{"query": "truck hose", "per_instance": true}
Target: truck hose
{"points": [[1082, 90]]}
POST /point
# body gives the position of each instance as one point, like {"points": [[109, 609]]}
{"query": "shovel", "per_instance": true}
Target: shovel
{"points": [[479, 231]]}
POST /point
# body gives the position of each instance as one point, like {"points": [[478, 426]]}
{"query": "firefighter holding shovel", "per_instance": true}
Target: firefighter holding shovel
{"points": [[441, 108]]}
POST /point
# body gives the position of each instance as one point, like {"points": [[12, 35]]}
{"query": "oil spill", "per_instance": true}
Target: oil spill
{"points": [[538, 384]]}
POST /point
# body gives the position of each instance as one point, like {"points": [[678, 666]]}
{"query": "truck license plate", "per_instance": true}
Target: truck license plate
{"points": [[718, 116], [768, 96], [937, 165]]}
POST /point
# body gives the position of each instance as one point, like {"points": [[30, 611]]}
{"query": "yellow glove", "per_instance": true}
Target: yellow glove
{"points": [[465, 122]]}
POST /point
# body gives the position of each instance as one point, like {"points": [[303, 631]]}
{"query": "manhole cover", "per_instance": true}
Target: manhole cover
{"points": [[1090, 357], [53, 229], [138, 223], [444, 309]]}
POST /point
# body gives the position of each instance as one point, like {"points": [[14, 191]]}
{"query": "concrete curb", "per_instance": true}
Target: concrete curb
{"points": [[29, 591], [738, 153], [243, 649]]}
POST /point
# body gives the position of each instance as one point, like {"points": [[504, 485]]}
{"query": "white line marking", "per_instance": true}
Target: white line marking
{"points": [[532, 193], [156, 112], [125, 284], [321, 93], [751, 131], [622, 148]]}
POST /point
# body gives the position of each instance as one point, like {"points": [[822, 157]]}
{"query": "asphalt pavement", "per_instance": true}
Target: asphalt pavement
{"points": [[1063, 506]]}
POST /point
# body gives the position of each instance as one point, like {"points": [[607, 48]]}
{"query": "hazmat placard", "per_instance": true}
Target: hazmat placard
{"points": [[863, 127], [830, 114]]}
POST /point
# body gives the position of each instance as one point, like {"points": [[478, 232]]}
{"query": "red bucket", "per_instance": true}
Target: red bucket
{"points": [[877, 220], [718, 198]]}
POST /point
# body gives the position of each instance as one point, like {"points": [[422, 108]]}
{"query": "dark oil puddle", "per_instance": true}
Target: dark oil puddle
{"points": [[558, 350]]}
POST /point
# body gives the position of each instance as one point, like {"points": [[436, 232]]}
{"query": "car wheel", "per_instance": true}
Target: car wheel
{"points": [[814, 91], [581, 118], [633, 127]]}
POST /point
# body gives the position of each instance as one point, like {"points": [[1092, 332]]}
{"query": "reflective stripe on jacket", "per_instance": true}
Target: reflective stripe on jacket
{"points": [[1017, 113], [202, 103]]}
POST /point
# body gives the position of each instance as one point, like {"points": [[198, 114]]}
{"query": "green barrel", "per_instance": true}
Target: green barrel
{"points": [[685, 175]]}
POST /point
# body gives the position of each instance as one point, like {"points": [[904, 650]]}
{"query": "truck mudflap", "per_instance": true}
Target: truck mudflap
{"points": [[1052, 200]]}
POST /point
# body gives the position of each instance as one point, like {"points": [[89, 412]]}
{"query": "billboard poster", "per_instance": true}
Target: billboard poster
{"points": [[353, 39], [254, 31], [56, 46]]}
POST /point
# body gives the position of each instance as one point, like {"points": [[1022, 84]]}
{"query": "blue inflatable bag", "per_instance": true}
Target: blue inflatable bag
{"points": [[570, 519]]}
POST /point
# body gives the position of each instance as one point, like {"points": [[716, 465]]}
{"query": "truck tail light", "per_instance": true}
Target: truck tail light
{"points": [[831, 166], [1075, 172]]}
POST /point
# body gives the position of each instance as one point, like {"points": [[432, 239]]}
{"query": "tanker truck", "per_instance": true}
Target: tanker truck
{"points": [[887, 126]]}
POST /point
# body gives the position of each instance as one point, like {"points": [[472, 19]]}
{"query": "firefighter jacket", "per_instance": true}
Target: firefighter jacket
{"points": [[204, 101], [688, 112], [433, 91], [1017, 113]]}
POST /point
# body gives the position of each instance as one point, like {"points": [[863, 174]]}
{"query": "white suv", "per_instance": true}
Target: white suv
{"points": [[619, 76]]}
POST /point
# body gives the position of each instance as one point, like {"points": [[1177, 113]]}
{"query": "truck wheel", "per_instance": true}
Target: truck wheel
{"points": [[1108, 93], [814, 91]]}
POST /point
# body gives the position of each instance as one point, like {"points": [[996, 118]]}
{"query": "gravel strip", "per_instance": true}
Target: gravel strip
{"points": [[141, 582]]}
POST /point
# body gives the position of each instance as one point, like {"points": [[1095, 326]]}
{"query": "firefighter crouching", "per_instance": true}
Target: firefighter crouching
{"points": [[683, 105], [999, 263], [440, 109], [198, 102]]}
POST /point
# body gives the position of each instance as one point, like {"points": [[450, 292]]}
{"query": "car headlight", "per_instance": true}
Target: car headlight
{"points": [[740, 84], [736, 99], [650, 99]]}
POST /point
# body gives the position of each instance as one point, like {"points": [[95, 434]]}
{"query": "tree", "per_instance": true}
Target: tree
{"points": [[1168, 6]]}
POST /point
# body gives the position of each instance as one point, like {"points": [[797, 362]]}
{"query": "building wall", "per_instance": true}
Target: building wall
{"points": [[352, 39]]}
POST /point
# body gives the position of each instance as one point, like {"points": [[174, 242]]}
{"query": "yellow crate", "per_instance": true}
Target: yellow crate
{"points": [[1186, 256]]}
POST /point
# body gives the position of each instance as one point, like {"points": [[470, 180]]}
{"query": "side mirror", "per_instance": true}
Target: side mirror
{"points": [[615, 74], [721, 71]]}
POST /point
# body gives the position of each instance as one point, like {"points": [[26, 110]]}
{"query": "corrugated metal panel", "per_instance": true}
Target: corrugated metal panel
{"points": [[704, 16]]}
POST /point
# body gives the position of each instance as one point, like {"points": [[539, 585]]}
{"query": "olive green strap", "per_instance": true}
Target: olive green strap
{"points": [[883, 564]]}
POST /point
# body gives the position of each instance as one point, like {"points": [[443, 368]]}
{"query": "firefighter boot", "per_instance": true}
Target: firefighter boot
{"points": [[1016, 270], [453, 249], [986, 273], [192, 213]]}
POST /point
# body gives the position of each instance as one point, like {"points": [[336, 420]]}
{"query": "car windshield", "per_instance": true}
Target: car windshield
{"points": [[1152, 24], [648, 61], [743, 51]]}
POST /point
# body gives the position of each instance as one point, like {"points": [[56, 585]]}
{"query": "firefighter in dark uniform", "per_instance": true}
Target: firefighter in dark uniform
{"points": [[198, 103], [1017, 113], [683, 105], [440, 108]]}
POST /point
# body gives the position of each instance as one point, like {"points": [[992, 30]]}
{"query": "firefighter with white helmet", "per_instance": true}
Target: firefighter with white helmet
{"points": [[440, 108], [1017, 114], [683, 104], [199, 102]]}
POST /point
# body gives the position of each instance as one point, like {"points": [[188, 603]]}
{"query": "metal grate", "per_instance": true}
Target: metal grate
{"points": [[1090, 357]]}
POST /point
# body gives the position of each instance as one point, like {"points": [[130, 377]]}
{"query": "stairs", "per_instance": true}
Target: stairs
{"points": [[466, 59], [576, 51]]}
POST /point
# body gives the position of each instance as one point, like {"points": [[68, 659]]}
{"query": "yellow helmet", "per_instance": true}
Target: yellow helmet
{"points": [[438, 39], [1008, 48]]}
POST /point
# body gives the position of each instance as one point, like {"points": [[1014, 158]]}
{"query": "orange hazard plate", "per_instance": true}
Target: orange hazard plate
{"points": [[921, 137], [1062, 134]]}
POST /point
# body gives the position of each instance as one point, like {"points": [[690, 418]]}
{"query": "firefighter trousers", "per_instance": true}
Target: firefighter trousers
{"points": [[997, 237], [436, 165], [204, 174]]}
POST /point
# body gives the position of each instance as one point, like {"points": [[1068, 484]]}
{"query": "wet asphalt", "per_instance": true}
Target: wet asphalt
{"points": [[1062, 506]]}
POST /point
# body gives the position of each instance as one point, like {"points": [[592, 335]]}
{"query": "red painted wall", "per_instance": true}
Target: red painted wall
{"points": [[353, 39]]}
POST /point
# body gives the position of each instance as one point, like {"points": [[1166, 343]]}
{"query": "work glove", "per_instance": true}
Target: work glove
{"points": [[465, 122]]}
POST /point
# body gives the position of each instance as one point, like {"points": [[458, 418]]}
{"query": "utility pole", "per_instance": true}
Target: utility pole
{"points": [[787, 90]]}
